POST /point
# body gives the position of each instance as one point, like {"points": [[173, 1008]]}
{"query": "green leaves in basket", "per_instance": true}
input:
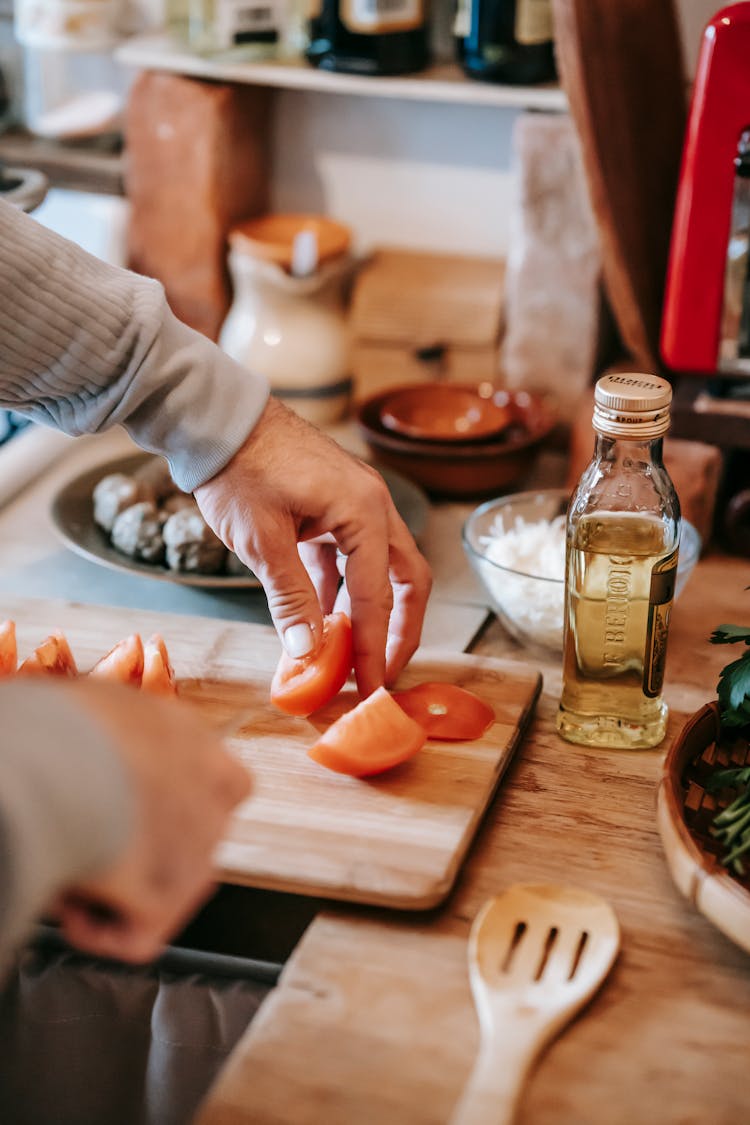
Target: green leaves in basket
{"points": [[732, 825]]}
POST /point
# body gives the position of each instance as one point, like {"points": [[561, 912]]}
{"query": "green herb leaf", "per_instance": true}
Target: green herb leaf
{"points": [[730, 635], [734, 692]]}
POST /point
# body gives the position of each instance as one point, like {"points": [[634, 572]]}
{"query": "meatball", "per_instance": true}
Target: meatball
{"points": [[191, 544], [138, 532], [113, 494], [235, 567], [154, 474], [177, 502]]}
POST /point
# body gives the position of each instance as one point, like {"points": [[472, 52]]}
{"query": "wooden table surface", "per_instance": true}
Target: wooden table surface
{"points": [[373, 1020]]}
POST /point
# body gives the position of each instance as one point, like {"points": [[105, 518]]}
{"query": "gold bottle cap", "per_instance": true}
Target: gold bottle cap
{"points": [[632, 405]]}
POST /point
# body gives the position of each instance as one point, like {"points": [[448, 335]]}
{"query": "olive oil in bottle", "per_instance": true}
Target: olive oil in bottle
{"points": [[622, 541]]}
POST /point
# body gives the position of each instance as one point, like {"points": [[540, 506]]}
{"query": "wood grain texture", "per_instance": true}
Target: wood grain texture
{"points": [[621, 68], [395, 840], [374, 1023]]}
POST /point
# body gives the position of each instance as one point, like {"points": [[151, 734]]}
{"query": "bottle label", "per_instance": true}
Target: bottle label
{"points": [[657, 629], [376, 17], [533, 21], [242, 21]]}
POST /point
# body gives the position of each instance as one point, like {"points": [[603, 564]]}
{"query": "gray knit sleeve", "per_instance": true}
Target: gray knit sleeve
{"points": [[85, 346], [66, 805]]}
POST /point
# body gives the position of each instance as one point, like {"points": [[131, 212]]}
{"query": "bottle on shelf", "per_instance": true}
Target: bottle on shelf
{"points": [[621, 562], [506, 41], [378, 37]]}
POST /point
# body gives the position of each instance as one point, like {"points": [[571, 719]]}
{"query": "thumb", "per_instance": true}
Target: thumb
{"points": [[292, 600]]}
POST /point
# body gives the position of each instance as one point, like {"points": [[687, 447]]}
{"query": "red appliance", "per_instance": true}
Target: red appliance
{"points": [[706, 316]]}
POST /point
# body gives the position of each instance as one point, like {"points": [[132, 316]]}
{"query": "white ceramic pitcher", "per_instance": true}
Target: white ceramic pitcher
{"points": [[291, 329]]}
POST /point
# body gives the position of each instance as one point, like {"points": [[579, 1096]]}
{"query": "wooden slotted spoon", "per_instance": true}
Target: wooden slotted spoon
{"points": [[537, 954]]}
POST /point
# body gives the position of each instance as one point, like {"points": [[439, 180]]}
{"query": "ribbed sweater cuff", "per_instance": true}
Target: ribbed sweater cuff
{"points": [[199, 410]]}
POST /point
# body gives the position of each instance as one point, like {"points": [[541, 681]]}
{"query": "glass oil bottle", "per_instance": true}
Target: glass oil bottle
{"points": [[621, 562]]}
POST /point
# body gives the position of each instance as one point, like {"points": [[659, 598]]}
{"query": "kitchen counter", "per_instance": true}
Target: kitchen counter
{"points": [[373, 1021]]}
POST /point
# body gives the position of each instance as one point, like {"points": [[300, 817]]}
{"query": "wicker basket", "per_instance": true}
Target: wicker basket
{"points": [[684, 813]]}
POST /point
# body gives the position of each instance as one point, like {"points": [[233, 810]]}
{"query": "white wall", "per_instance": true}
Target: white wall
{"points": [[413, 174], [418, 174]]}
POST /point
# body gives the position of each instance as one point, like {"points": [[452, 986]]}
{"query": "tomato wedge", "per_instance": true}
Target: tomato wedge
{"points": [[8, 649], [51, 658], [374, 736], [158, 673], [447, 712], [123, 664], [302, 686]]}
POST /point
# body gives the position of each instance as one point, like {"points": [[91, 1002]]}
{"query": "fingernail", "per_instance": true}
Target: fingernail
{"points": [[299, 640]]}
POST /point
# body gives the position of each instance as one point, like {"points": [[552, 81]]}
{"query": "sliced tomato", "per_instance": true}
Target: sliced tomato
{"points": [[51, 658], [302, 686], [374, 736], [446, 712], [158, 673], [123, 664], [8, 650]]}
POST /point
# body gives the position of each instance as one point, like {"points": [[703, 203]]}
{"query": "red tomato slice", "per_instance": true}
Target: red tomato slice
{"points": [[51, 658], [447, 712], [8, 649], [158, 673], [374, 736], [123, 664], [302, 686]]}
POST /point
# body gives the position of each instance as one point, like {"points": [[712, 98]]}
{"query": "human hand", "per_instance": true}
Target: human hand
{"points": [[184, 784], [290, 484]]}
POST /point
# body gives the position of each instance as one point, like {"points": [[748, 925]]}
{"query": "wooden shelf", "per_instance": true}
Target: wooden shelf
{"points": [[442, 83]]}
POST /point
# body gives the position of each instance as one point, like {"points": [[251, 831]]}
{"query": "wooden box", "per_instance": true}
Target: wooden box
{"points": [[417, 316]]}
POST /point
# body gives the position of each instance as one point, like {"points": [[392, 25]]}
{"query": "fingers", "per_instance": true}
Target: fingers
{"points": [[319, 560], [133, 933], [184, 784], [412, 582], [292, 596]]}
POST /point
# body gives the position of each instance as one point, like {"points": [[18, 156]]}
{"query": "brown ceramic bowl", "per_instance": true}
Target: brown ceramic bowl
{"points": [[463, 469], [447, 412]]}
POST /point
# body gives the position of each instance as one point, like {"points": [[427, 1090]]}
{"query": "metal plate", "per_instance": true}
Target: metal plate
{"points": [[72, 512]]}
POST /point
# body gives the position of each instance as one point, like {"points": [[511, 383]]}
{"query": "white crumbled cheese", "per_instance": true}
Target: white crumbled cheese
{"points": [[529, 609], [537, 548]]}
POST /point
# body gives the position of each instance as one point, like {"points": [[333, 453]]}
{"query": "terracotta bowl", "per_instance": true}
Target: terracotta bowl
{"points": [[462, 469], [447, 412]]}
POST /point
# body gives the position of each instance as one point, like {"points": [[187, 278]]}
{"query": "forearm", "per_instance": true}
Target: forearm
{"points": [[65, 803], [85, 346]]}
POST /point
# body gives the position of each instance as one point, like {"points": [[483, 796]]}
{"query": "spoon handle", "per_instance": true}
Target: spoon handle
{"points": [[494, 1088]]}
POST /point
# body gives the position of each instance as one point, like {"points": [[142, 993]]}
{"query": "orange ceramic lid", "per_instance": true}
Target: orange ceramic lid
{"points": [[271, 237]]}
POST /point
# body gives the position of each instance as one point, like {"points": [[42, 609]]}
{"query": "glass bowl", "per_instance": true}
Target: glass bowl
{"points": [[529, 600]]}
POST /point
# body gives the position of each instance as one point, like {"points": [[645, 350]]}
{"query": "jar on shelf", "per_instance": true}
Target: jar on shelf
{"points": [[288, 316], [237, 30], [72, 87]]}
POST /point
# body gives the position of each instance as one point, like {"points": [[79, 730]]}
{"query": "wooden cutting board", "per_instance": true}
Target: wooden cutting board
{"points": [[396, 840]]}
